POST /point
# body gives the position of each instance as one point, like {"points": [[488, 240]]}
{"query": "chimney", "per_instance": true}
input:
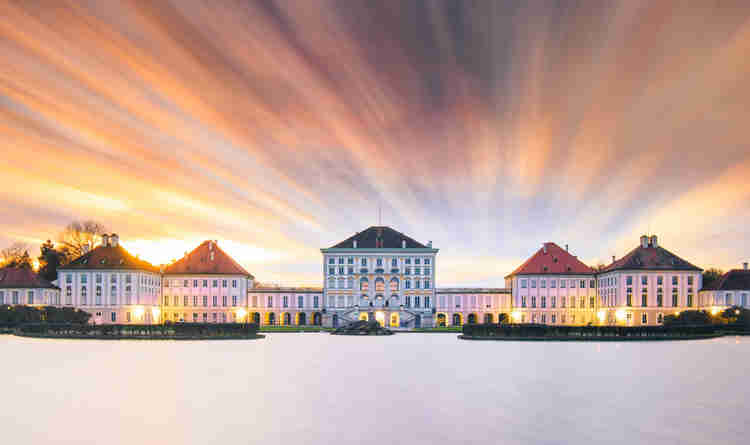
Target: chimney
{"points": [[105, 240], [613, 258], [210, 246], [429, 244], [744, 265], [544, 246], [354, 243], [114, 240], [403, 244], [654, 241], [644, 241], [566, 247]]}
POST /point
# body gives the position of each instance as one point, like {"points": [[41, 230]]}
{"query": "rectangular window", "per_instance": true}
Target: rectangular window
{"points": [[224, 301], [30, 297], [315, 301], [331, 260], [417, 260], [426, 302], [426, 261], [223, 283], [690, 300], [553, 283], [583, 284], [543, 284], [523, 284], [572, 284], [533, 284], [644, 299], [331, 270], [300, 301], [270, 301], [562, 302], [285, 301], [659, 280], [341, 260], [592, 284], [644, 318], [426, 284], [629, 299], [563, 284], [544, 301], [592, 302], [523, 301], [416, 301], [629, 280], [127, 316], [113, 317], [675, 281], [205, 301], [533, 301], [690, 280]]}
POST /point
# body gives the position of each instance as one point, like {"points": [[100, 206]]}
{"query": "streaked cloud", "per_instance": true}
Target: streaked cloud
{"points": [[279, 127]]}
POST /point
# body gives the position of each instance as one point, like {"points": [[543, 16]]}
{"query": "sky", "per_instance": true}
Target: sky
{"points": [[281, 127]]}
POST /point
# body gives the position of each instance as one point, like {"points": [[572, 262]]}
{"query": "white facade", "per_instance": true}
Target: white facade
{"points": [[456, 306], [554, 299], [395, 286], [285, 306], [30, 296], [205, 298]]}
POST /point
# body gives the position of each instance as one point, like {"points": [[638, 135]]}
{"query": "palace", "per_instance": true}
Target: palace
{"points": [[378, 274]]}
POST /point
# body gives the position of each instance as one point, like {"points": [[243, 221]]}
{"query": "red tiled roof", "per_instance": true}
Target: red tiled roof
{"points": [[23, 277], [110, 257], [201, 261], [556, 261], [649, 258]]}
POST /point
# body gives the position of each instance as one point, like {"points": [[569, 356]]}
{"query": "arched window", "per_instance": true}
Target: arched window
{"points": [[394, 284], [364, 284], [379, 285]]}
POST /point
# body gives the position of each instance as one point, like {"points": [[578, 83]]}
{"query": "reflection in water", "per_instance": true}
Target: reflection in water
{"points": [[407, 388]]}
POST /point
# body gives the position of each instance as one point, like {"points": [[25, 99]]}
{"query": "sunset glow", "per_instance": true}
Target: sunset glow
{"points": [[279, 128]]}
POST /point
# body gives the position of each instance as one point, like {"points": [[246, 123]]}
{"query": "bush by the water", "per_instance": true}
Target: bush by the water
{"points": [[12, 316], [552, 331], [167, 330], [362, 327]]}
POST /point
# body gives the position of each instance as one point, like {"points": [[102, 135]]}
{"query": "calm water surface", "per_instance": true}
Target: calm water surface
{"points": [[407, 388]]}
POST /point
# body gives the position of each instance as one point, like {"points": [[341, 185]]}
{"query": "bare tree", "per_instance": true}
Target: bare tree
{"points": [[80, 237], [14, 255]]}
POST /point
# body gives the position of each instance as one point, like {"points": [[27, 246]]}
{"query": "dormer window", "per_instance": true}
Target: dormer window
{"points": [[546, 268]]}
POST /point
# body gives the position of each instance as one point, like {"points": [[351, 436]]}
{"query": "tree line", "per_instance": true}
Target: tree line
{"points": [[74, 240]]}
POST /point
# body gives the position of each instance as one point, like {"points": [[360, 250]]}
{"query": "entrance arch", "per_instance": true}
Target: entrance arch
{"points": [[456, 319], [271, 318], [287, 318], [472, 319], [255, 318], [317, 319], [301, 319], [417, 321], [394, 319], [335, 320], [487, 318], [441, 320]]}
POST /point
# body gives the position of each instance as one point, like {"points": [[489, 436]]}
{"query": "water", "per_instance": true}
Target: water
{"points": [[407, 388]]}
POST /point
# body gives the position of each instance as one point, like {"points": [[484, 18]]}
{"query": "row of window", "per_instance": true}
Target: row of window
{"points": [[553, 318], [729, 299], [146, 280], [215, 317], [659, 298], [285, 300], [16, 297], [186, 283], [378, 261], [195, 300], [553, 283], [563, 301], [350, 271]]}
